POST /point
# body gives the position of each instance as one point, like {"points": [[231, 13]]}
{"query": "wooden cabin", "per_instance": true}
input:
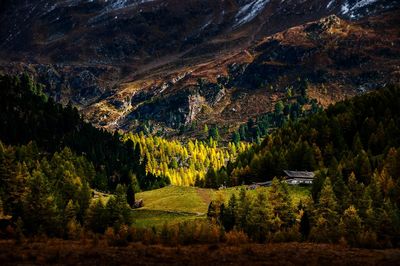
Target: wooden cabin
{"points": [[299, 177], [291, 177]]}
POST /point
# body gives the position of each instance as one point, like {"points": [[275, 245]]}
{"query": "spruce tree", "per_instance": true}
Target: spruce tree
{"points": [[212, 211], [259, 219], [96, 218], [229, 220], [40, 214], [350, 225], [281, 203], [305, 226], [326, 216], [356, 190], [118, 209], [85, 195], [342, 193], [243, 209]]}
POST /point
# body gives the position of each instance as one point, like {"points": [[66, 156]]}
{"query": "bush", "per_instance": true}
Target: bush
{"points": [[368, 239], [73, 230], [235, 238], [110, 236], [291, 234], [120, 238]]}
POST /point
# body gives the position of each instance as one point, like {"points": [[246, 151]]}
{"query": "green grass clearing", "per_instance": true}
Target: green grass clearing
{"points": [[175, 204], [152, 218]]}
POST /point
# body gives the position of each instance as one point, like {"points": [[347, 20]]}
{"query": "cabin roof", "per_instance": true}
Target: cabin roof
{"points": [[299, 174]]}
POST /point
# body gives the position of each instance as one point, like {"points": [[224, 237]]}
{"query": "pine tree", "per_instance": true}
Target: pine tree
{"points": [[236, 137], [281, 202], [214, 134], [374, 191], [363, 167], [70, 212], [133, 187], [326, 216], [212, 211], [304, 88], [96, 218], [40, 211], [130, 196], [389, 223], [15, 189], [356, 190], [342, 193], [305, 226], [229, 220], [259, 219], [327, 201], [350, 225], [392, 163], [243, 209], [85, 194], [118, 209], [211, 178], [206, 133]]}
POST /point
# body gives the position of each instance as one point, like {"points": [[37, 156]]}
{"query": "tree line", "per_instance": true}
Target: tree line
{"points": [[27, 114], [354, 213], [51, 195], [355, 135], [184, 164]]}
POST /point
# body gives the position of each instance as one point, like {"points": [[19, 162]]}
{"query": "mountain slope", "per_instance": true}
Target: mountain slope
{"points": [[120, 59], [338, 58]]}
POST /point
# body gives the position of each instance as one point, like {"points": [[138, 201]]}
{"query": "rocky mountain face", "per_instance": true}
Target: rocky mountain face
{"points": [[176, 65]]}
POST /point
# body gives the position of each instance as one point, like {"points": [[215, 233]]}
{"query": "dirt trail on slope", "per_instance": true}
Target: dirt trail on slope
{"points": [[204, 194]]}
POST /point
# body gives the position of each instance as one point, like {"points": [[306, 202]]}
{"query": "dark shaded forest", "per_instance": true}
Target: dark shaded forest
{"points": [[28, 115]]}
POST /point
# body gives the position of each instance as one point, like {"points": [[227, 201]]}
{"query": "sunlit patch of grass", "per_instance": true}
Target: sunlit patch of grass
{"points": [[143, 218]]}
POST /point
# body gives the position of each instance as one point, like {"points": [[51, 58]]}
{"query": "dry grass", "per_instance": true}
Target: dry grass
{"points": [[99, 253]]}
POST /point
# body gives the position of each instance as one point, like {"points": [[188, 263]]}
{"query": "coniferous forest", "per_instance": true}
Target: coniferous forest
{"points": [[199, 132], [53, 163]]}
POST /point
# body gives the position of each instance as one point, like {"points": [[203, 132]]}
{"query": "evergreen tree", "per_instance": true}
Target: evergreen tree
{"points": [[305, 225], [85, 194], [96, 218], [229, 220], [326, 216], [214, 133], [342, 193], [304, 88], [40, 214], [259, 218], [236, 137], [356, 190], [130, 195], [350, 225], [281, 203], [212, 211], [118, 209], [243, 209]]}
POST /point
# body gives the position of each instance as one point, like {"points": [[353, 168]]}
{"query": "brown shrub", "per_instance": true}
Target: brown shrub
{"points": [[235, 238]]}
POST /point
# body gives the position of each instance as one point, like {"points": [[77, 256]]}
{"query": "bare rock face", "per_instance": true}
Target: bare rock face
{"points": [[196, 103], [325, 25]]}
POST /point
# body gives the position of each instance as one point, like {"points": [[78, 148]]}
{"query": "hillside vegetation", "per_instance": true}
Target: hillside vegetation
{"points": [[28, 115], [353, 147], [183, 164], [357, 136], [174, 204]]}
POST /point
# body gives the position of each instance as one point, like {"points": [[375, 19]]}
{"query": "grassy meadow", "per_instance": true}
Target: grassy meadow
{"points": [[175, 204]]}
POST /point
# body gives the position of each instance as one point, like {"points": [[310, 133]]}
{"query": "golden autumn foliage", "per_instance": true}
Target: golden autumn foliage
{"points": [[183, 163]]}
